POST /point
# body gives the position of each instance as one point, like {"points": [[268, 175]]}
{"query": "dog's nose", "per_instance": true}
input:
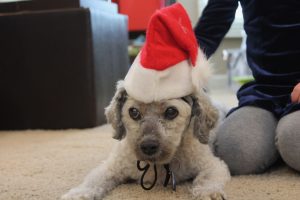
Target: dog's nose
{"points": [[149, 147]]}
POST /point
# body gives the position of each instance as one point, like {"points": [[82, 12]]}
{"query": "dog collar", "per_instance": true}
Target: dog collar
{"points": [[169, 174]]}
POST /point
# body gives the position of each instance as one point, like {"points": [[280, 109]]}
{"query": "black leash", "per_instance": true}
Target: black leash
{"points": [[145, 169], [169, 174]]}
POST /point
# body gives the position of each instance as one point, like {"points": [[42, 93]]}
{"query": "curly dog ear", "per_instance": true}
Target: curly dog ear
{"points": [[113, 112], [205, 117]]}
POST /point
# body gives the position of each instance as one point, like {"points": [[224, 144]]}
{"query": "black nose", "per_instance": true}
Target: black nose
{"points": [[149, 147]]}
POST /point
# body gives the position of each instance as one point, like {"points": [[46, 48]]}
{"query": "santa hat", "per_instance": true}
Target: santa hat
{"points": [[170, 64]]}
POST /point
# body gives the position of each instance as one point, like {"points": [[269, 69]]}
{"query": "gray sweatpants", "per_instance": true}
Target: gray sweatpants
{"points": [[251, 139]]}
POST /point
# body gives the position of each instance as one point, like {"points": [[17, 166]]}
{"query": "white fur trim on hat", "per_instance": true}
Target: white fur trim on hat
{"points": [[148, 85]]}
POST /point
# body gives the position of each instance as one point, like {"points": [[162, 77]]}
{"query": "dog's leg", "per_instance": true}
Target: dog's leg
{"points": [[211, 179], [114, 171]]}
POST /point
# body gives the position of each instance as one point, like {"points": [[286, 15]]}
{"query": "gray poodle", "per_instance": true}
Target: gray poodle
{"points": [[170, 135]]}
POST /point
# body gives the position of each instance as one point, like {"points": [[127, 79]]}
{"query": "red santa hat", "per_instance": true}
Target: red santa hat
{"points": [[170, 64]]}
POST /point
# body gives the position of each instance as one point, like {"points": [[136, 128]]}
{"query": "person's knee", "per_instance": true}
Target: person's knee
{"points": [[245, 141], [245, 157], [288, 143]]}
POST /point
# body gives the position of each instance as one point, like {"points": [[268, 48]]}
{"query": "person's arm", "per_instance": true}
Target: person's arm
{"points": [[214, 23]]}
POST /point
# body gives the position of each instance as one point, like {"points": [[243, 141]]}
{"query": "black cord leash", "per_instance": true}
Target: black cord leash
{"points": [[145, 169], [169, 174]]}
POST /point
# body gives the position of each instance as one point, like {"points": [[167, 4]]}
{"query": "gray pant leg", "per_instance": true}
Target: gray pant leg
{"points": [[246, 140], [288, 139]]}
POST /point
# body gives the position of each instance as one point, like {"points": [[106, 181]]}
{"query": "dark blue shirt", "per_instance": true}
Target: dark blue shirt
{"points": [[273, 48]]}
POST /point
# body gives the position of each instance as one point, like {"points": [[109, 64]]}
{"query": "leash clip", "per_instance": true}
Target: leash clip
{"points": [[169, 174]]}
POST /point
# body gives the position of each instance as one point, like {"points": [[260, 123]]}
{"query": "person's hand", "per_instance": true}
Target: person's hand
{"points": [[295, 96]]}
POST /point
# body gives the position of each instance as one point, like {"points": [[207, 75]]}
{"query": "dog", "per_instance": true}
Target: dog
{"points": [[171, 133]]}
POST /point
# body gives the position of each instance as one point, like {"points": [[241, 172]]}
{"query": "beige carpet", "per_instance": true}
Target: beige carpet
{"points": [[45, 164]]}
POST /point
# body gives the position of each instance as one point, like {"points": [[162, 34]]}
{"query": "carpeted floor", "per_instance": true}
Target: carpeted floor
{"points": [[44, 164]]}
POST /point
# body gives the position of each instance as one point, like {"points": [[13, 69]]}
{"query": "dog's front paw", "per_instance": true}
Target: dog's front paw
{"points": [[213, 196], [208, 193], [83, 193]]}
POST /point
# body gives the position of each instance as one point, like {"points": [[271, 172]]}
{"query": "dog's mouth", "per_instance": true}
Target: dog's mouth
{"points": [[158, 159], [149, 159]]}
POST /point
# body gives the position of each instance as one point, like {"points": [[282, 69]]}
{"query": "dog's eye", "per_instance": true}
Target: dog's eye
{"points": [[171, 113], [135, 114]]}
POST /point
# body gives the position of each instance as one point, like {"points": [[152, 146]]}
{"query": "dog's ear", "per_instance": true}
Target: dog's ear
{"points": [[113, 112], [205, 117]]}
